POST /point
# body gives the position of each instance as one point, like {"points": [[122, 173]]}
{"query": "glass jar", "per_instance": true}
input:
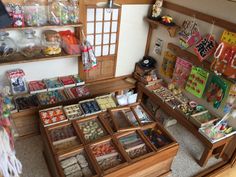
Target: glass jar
{"points": [[7, 45], [51, 42], [30, 45], [74, 11], [35, 12], [58, 12]]}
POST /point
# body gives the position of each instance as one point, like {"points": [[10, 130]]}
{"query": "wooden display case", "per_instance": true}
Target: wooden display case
{"points": [[150, 162]]}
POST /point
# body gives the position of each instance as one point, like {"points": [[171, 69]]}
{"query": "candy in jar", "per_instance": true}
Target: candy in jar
{"points": [[73, 11], [35, 12], [58, 12], [51, 42], [29, 44], [7, 45]]}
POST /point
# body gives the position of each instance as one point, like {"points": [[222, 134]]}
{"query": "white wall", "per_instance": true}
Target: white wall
{"points": [[133, 37], [226, 10]]}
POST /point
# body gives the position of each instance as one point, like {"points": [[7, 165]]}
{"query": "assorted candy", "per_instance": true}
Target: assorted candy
{"points": [[26, 102], [51, 42], [202, 119], [106, 155], [76, 92], [37, 86], [106, 102], [92, 130], [142, 115], [17, 14], [51, 97], [52, 116], [73, 111], [78, 80], [53, 84], [133, 145], [90, 106], [67, 81], [76, 166], [62, 133], [157, 138]]}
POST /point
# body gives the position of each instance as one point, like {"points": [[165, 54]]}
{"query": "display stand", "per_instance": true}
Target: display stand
{"points": [[217, 149]]}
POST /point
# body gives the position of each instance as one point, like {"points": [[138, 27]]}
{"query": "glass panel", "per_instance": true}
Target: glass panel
{"points": [[98, 40], [90, 38], [90, 14], [99, 27], [113, 38], [98, 51], [106, 38], [105, 50], [115, 14], [114, 27], [107, 15], [99, 14], [112, 49], [107, 26], [90, 28]]}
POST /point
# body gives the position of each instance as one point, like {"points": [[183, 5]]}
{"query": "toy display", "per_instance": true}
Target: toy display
{"points": [[52, 116], [30, 44], [53, 84], [76, 166], [157, 137], [205, 47], [90, 106], [58, 12], [142, 115], [168, 64], [181, 72], [67, 81], [51, 42], [26, 102], [37, 87], [69, 42], [105, 102], [106, 155], [17, 81], [225, 56], [7, 45], [35, 12], [134, 145], [197, 81], [202, 119], [231, 100], [76, 92], [78, 80], [73, 111], [216, 91], [16, 12], [62, 133], [51, 97], [92, 130], [156, 9], [189, 34]]}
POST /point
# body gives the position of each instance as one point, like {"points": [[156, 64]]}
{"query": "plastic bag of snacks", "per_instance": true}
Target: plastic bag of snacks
{"points": [[51, 42], [16, 13], [17, 81], [58, 12], [69, 42]]}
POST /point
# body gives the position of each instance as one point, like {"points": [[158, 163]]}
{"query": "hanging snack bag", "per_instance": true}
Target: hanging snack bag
{"points": [[17, 81], [69, 42]]}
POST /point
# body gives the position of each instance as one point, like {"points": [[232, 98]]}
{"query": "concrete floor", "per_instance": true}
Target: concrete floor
{"points": [[29, 152]]}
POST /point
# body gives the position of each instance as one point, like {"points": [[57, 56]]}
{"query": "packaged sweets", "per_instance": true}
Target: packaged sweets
{"points": [[37, 86], [7, 45], [69, 42], [51, 42]]}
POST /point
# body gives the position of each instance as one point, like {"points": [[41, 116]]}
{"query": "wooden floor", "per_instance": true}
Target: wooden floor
{"points": [[228, 173]]}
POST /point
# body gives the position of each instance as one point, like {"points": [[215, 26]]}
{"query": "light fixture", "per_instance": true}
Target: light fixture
{"points": [[110, 5]]}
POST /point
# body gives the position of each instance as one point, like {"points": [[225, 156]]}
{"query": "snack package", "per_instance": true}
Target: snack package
{"points": [[197, 81], [17, 81], [69, 42], [181, 72], [231, 100], [168, 64]]}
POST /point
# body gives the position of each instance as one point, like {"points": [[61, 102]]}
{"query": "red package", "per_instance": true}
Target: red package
{"points": [[69, 42]]}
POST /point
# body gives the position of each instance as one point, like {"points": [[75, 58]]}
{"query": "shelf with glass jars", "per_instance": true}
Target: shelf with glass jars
{"points": [[46, 17]]}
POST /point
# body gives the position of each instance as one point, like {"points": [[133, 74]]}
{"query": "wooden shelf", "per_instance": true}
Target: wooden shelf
{"points": [[206, 64], [48, 26], [19, 58], [171, 29]]}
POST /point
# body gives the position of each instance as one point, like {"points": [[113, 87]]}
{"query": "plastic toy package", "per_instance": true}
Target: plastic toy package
{"points": [[17, 81]]}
